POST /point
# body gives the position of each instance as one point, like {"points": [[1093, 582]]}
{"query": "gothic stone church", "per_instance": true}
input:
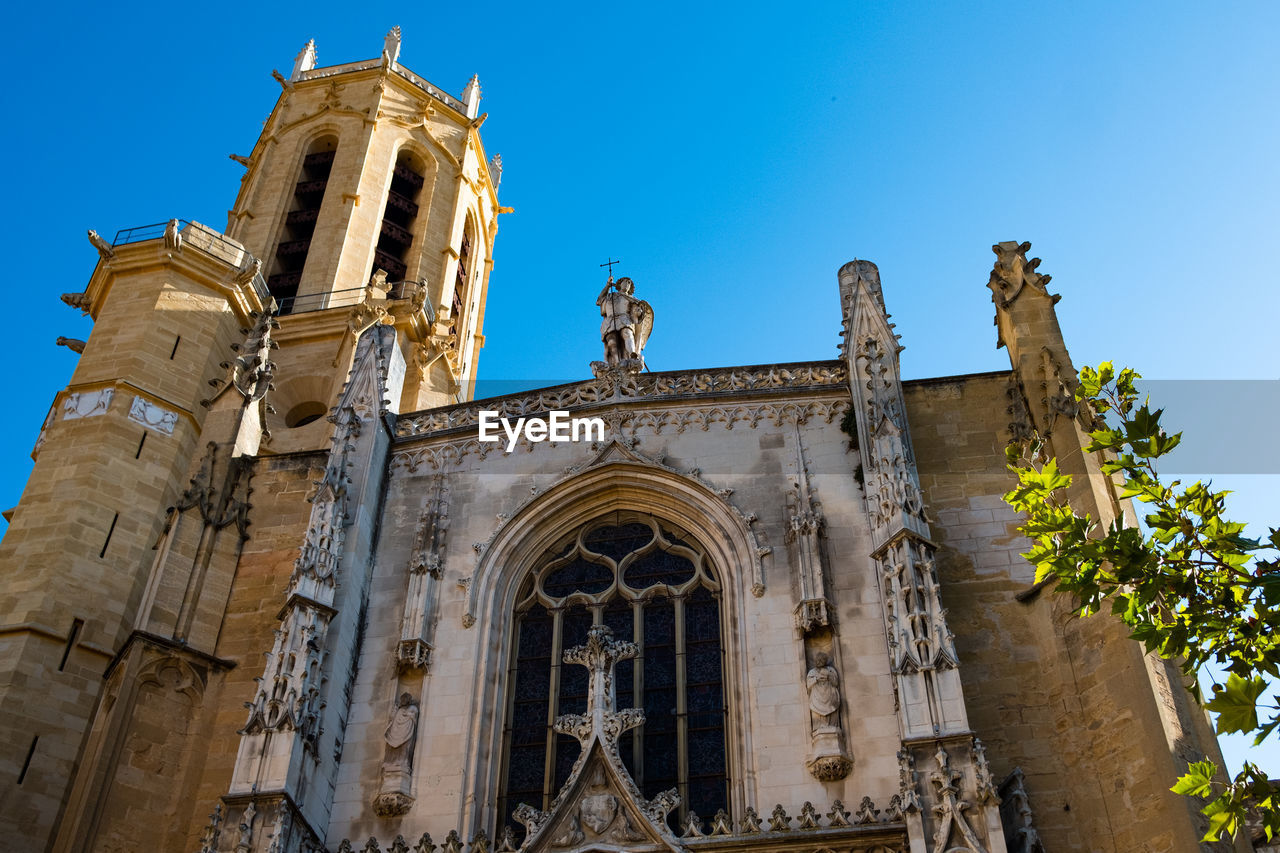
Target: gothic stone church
{"points": [[266, 589]]}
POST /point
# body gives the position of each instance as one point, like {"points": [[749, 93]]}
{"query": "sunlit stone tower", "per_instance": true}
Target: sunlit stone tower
{"points": [[368, 200]]}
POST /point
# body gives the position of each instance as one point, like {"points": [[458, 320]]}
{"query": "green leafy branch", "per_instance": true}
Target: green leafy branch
{"points": [[1192, 587]]}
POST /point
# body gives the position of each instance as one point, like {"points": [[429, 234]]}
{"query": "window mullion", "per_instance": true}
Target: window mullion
{"points": [[637, 690], [682, 715], [553, 707]]}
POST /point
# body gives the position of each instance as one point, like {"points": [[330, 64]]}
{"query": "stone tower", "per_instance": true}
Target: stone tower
{"points": [[366, 201]]}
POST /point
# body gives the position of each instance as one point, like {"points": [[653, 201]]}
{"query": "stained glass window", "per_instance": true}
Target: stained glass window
{"points": [[651, 583]]}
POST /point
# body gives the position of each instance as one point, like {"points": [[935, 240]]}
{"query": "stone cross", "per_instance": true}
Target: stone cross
{"points": [[600, 654]]}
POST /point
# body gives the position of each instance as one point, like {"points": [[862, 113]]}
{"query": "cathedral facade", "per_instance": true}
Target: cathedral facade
{"points": [[278, 582]]}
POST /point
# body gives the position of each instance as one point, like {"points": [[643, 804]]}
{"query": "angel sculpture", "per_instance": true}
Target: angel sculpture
{"points": [[626, 325]]}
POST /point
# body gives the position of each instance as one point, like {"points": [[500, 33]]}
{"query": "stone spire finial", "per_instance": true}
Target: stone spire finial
{"points": [[471, 96], [391, 46], [304, 61]]}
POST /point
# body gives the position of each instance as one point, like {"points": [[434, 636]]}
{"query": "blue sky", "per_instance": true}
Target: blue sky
{"points": [[733, 156]]}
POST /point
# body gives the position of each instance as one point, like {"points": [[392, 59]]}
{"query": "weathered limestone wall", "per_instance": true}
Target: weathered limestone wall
{"points": [[110, 460], [281, 487], [1069, 701]]}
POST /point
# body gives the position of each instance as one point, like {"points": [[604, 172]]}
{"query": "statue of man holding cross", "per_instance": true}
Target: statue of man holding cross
{"points": [[625, 327]]}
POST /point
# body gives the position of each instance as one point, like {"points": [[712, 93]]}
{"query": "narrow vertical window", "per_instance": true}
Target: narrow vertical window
{"points": [[176, 341], [141, 442], [300, 223], [650, 583], [396, 234], [110, 530], [72, 636], [26, 764]]}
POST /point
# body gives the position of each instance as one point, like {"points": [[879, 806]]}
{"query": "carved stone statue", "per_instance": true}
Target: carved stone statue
{"points": [[245, 840], [74, 344], [249, 268], [400, 735], [78, 300], [173, 236], [626, 325], [829, 762], [105, 250], [823, 683]]}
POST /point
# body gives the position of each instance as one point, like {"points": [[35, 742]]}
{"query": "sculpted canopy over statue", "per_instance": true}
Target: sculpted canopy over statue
{"points": [[625, 327]]}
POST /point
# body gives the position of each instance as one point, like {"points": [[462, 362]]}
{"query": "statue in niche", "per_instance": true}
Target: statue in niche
{"points": [[400, 735], [626, 325], [823, 683], [829, 761]]}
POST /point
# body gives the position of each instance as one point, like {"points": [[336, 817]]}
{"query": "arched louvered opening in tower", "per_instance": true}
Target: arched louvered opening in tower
{"points": [[300, 223], [401, 209], [460, 280]]}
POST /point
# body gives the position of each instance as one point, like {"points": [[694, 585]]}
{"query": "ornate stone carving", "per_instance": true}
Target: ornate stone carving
{"points": [[244, 842], [1013, 272], [830, 768], [394, 795], [829, 761], [838, 816], [625, 328], [779, 821], [949, 808], [805, 527], [212, 831], [823, 684], [173, 236], [400, 735], [1015, 810], [426, 564], [305, 60], [1020, 428], [289, 689], [87, 404], [679, 387], [867, 812], [106, 251], [1058, 391], [143, 411], [250, 267], [74, 344], [909, 799], [919, 639], [391, 46], [252, 370], [616, 452], [219, 489], [599, 802], [78, 300]]}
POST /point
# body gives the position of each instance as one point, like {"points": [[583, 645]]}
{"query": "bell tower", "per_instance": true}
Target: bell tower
{"points": [[367, 210], [369, 199]]}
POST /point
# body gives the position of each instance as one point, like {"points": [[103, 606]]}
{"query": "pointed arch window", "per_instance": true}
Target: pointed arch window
{"points": [[300, 223], [460, 279], [396, 233], [650, 582]]}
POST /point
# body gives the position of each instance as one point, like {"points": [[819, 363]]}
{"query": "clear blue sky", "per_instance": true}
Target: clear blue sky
{"points": [[733, 156]]}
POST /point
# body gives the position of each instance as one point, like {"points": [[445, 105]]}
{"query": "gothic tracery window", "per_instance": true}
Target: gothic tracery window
{"points": [[650, 582]]}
